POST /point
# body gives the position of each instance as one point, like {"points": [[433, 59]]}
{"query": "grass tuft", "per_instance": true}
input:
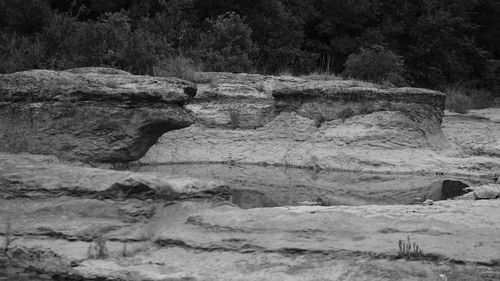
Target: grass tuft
{"points": [[98, 250], [180, 66], [234, 117], [409, 250], [457, 101]]}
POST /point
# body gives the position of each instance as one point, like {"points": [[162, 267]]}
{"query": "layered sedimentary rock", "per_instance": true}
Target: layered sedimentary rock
{"points": [[332, 124], [91, 114], [224, 97]]}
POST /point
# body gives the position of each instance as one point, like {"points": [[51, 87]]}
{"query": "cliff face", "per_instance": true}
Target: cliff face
{"points": [[316, 124], [91, 114]]}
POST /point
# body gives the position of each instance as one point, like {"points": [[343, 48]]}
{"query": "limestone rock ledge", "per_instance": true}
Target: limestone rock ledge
{"points": [[91, 114], [328, 124]]}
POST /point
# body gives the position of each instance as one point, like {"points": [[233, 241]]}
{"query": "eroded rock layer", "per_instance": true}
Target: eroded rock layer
{"points": [[327, 124], [92, 114]]}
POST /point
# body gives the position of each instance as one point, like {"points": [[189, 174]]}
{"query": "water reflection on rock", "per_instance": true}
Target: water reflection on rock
{"points": [[266, 186]]}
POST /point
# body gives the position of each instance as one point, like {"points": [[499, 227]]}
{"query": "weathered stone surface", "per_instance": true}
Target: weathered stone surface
{"points": [[476, 133], [490, 191], [28, 176], [310, 115], [204, 241], [248, 97], [385, 141], [344, 125], [89, 116], [211, 239], [214, 104]]}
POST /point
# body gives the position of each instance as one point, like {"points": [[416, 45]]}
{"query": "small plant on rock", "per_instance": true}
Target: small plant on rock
{"points": [[409, 250], [234, 117], [97, 249], [346, 113], [8, 236], [319, 120]]}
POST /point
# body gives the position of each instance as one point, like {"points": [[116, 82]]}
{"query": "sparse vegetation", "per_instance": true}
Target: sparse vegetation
{"points": [[480, 98], [409, 250], [319, 120], [366, 108], [345, 113], [97, 249], [326, 76], [124, 249], [234, 117], [8, 235], [457, 101]]}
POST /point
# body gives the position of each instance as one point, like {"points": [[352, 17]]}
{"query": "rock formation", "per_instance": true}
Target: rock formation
{"points": [[332, 124], [90, 114]]}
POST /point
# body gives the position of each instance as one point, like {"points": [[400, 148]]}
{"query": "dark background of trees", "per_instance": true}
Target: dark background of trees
{"points": [[441, 42]]}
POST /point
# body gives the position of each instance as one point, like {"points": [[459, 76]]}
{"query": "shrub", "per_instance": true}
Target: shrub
{"points": [[481, 98], [227, 46], [375, 64], [179, 66], [144, 50], [457, 100]]}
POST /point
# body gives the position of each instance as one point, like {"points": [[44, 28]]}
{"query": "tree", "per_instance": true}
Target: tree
{"points": [[227, 45]]}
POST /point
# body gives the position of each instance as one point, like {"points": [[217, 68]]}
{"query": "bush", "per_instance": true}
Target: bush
{"points": [[109, 41], [179, 66], [480, 98], [26, 16], [227, 46], [457, 100], [144, 51], [19, 53], [375, 64]]}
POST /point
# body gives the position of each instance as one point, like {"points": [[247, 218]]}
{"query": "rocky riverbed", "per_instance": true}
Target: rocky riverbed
{"points": [[314, 180]]}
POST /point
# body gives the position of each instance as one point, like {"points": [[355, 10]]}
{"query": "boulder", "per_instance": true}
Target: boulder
{"points": [[490, 191], [91, 114]]}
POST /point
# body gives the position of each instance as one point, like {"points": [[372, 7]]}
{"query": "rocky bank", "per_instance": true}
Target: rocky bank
{"points": [[315, 123], [363, 151], [92, 114]]}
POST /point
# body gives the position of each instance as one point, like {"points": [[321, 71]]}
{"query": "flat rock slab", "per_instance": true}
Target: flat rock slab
{"points": [[477, 133], [35, 177], [94, 115], [210, 241]]}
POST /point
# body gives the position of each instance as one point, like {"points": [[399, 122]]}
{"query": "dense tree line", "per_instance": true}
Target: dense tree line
{"points": [[436, 42]]}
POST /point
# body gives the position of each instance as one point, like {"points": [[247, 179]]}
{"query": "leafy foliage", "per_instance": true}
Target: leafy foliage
{"points": [[375, 64], [227, 45], [441, 42]]}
